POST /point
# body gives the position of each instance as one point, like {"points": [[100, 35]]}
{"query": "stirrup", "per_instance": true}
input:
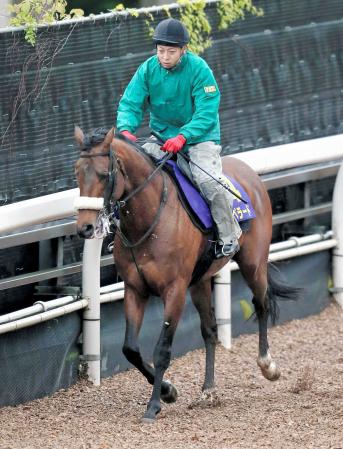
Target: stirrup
{"points": [[227, 250], [110, 247]]}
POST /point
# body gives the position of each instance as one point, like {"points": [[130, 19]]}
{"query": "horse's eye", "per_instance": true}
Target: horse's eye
{"points": [[103, 176]]}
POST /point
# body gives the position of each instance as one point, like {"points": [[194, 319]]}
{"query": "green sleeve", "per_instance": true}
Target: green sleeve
{"points": [[206, 98], [132, 105]]}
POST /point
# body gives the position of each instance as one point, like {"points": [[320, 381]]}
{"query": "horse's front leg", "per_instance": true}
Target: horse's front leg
{"points": [[134, 305], [174, 300]]}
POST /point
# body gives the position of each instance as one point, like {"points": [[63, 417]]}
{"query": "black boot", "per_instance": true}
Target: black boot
{"points": [[227, 250]]}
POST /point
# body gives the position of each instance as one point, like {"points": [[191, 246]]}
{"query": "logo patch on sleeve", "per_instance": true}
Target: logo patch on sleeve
{"points": [[210, 89]]}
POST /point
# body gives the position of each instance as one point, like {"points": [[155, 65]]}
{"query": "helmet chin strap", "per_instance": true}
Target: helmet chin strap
{"points": [[184, 51], [179, 61]]}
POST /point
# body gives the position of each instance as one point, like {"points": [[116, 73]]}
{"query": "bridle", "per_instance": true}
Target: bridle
{"points": [[110, 207], [113, 168]]}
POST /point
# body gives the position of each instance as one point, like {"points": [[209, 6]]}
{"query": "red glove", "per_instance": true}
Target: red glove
{"points": [[128, 135], [174, 145]]}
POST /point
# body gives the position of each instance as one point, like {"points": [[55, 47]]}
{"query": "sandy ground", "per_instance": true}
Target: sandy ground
{"points": [[304, 409]]}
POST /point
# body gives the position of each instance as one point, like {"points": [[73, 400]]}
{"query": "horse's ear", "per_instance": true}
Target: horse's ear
{"points": [[109, 137], [79, 136]]}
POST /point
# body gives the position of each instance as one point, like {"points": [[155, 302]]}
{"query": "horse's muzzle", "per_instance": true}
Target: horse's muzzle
{"points": [[86, 231]]}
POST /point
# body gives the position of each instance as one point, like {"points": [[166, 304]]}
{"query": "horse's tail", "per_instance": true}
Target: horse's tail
{"points": [[279, 290]]}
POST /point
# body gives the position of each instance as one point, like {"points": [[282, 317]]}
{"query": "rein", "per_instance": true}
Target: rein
{"points": [[123, 202], [163, 201], [111, 186]]}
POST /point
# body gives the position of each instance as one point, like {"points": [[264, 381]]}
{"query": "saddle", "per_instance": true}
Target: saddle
{"points": [[200, 215], [197, 207]]}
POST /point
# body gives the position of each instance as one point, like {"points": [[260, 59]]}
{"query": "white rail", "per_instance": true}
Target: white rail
{"points": [[44, 316], [38, 307], [337, 226], [296, 154], [38, 210]]}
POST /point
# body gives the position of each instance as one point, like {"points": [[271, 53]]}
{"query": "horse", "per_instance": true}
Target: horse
{"points": [[156, 248]]}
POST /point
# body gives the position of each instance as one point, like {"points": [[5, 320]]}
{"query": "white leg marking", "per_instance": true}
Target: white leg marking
{"points": [[268, 367]]}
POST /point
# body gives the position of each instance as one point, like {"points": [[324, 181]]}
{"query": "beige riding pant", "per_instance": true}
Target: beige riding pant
{"points": [[207, 156]]}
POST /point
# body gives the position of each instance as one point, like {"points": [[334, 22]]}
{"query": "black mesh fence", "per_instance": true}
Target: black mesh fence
{"points": [[39, 360], [280, 76]]}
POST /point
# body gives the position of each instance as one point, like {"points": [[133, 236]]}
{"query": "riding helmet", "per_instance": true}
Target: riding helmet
{"points": [[171, 32]]}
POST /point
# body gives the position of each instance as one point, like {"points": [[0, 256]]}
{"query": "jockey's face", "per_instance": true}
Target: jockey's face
{"points": [[169, 56]]}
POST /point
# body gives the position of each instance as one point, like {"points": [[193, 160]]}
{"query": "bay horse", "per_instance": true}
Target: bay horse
{"points": [[156, 248]]}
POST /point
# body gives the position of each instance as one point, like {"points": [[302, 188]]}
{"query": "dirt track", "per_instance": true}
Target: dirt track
{"points": [[304, 409]]}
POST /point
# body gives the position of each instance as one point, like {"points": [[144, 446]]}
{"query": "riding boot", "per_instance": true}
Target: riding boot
{"points": [[228, 228]]}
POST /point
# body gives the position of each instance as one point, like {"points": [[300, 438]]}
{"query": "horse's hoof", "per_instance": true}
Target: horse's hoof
{"points": [[149, 416], [272, 373], [268, 367], [153, 409], [210, 396], [171, 395], [147, 420], [208, 387]]}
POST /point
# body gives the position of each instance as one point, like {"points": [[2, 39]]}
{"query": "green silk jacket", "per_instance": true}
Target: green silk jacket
{"points": [[183, 100]]}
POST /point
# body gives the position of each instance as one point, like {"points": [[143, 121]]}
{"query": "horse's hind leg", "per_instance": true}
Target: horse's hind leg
{"points": [[134, 311], [256, 276], [267, 365], [201, 297]]}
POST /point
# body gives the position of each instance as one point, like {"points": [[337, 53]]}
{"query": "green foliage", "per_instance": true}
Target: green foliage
{"points": [[134, 12], [99, 6], [32, 13], [193, 16], [231, 10]]}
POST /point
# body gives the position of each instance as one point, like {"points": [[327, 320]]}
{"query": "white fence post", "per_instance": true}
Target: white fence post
{"points": [[222, 304], [337, 227], [91, 315]]}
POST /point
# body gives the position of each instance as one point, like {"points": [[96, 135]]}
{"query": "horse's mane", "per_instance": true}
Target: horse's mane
{"points": [[94, 137], [98, 135]]}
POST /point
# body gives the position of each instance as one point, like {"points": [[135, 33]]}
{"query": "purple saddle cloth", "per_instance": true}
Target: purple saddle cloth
{"points": [[198, 205]]}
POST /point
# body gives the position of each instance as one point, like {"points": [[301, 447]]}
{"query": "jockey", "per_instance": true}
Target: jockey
{"points": [[181, 94]]}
